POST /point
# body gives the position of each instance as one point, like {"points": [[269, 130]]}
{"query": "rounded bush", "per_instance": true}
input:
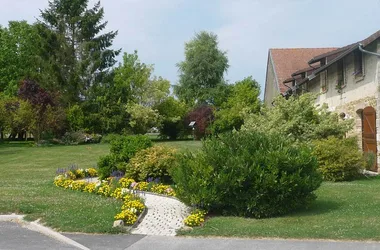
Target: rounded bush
{"points": [[339, 159], [248, 174], [152, 163]]}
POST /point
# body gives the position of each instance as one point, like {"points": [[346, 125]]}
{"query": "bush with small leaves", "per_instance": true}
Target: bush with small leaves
{"points": [[339, 159], [248, 174]]}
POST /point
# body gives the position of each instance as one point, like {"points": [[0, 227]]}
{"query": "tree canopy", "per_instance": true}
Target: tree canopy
{"points": [[202, 71]]}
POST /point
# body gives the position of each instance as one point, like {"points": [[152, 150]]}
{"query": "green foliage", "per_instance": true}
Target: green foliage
{"points": [[20, 55], [299, 119], [202, 70], [248, 173], [122, 150], [370, 160], [242, 101], [80, 137], [339, 159], [75, 117], [106, 165], [79, 48], [172, 113], [130, 79], [110, 137], [142, 118], [154, 162]]}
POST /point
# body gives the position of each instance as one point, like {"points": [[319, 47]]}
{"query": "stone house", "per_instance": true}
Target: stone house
{"points": [[347, 79]]}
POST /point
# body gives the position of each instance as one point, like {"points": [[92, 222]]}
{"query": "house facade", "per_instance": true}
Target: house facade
{"points": [[347, 80]]}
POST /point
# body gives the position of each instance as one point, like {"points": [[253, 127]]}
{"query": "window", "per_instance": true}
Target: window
{"points": [[358, 62], [340, 76], [323, 81]]}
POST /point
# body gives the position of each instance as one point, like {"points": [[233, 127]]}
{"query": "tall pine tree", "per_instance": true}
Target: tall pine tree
{"points": [[82, 54]]}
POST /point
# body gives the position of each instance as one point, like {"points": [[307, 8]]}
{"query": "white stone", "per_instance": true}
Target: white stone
{"points": [[118, 223]]}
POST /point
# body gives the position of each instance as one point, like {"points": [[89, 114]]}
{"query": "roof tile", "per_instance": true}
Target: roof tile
{"points": [[289, 60]]}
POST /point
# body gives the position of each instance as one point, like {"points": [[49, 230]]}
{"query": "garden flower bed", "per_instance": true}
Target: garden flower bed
{"points": [[124, 189]]}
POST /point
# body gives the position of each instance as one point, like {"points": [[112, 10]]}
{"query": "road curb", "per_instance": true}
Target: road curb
{"points": [[35, 226]]}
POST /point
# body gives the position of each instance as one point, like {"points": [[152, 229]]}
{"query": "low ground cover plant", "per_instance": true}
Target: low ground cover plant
{"points": [[248, 174]]}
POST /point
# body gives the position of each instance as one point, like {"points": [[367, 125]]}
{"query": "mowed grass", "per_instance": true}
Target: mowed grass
{"points": [[27, 175], [182, 146], [343, 211], [348, 210]]}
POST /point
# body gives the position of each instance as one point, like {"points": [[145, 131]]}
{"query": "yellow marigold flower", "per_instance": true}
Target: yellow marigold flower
{"points": [[134, 204], [92, 172], [142, 186], [127, 216], [126, 182], [89, 188]]}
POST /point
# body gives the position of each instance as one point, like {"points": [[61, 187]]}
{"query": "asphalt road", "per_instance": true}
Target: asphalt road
{"points": [[14, 236]]}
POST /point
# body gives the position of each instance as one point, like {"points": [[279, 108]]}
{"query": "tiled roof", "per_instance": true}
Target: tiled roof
{"points": [[288, 61], [342, 52]]}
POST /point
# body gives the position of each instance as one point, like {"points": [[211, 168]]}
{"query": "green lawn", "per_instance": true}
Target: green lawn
{"points": [[342, 211], [26, 187], [182, 145]]}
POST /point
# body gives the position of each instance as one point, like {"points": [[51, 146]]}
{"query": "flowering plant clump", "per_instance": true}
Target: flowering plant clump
{"points": [[104, 189], [196, 218], [91, 172], [135, 206], [70, 175], [90, 188], [78, 185], [142, 186], [79, 173], [127, 216], [74, 172], [126, 182], [163, 189]]}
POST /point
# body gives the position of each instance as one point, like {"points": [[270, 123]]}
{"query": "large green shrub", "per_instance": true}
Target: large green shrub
{"points": [[339, 159], [155, 162], [122, 150], [249, 174], [299, 119]]}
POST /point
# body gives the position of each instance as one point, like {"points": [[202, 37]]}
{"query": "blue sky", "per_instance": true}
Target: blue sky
{"points": [[246, 29]]}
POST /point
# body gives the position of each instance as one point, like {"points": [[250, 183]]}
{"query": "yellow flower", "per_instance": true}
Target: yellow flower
{"points": [[92, 172], [89, 188], [126, 182], [134, 204], [142, 186], [104, 189], [127, 216], [196, 218]]}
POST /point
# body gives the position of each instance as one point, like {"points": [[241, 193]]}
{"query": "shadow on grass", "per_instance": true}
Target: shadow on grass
{"points": [[317, 207]]}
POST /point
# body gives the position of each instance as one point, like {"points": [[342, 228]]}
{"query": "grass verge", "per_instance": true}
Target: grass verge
{"points": [[342, 211]]}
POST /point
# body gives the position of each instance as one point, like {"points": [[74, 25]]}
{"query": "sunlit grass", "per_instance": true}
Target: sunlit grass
{"points": [[347, 210]]}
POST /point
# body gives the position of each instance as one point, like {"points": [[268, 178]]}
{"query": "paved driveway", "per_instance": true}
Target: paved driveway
{"points": [[15, 236]]}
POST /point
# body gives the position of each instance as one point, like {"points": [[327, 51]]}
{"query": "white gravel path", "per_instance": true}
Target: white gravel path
{"points": [[165, 215]]}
